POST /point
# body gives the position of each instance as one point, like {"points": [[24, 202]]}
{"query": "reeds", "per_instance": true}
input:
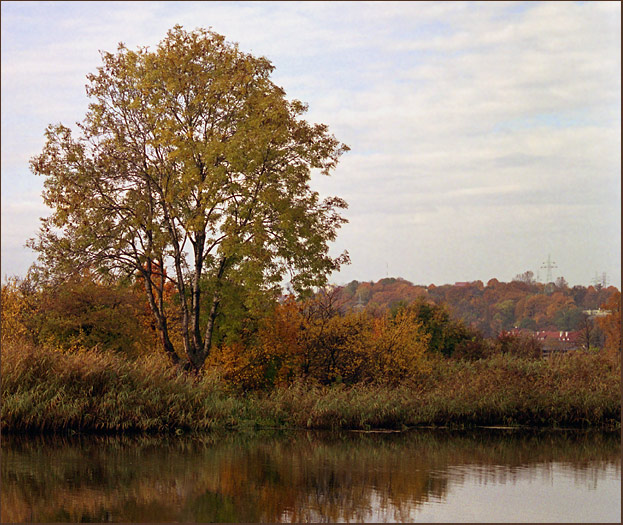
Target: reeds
{"points": [[48, 391], [579, 390]]}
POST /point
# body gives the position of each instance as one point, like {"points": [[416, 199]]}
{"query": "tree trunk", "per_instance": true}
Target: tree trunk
{"points": [[160, 318], [166, 343]]}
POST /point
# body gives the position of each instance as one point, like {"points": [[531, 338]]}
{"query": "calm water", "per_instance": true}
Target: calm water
{"points": [[266, 477]]}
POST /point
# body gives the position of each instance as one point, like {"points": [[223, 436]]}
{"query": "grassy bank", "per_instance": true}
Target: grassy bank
{"points": [[47, 391]]}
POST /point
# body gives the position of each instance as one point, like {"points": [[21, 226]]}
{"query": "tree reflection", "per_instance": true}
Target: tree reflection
{"points": [[272, 477]]}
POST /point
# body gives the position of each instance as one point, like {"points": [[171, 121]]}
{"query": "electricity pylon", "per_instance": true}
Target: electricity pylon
{"points": [[549, 265]]}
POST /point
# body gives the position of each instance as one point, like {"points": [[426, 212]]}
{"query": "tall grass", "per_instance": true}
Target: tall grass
{"points": [[578, 390], [48, 391]]}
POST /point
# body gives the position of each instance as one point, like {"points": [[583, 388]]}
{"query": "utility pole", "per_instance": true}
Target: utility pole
{"points": [[549, 265]]}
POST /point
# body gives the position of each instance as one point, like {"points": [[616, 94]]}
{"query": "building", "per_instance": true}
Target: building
{"points": [[597, 313], [558, 341]]}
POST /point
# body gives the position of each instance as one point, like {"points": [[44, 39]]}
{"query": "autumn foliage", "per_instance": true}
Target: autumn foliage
{"points": [[83, 355], [315, 341], [491, 308], [82, 312], [189, 156], [611, 324], [325, 339]]}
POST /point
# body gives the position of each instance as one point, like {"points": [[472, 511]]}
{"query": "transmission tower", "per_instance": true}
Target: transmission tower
{"points": [[601, 279], [359, 305], [549, 265]]}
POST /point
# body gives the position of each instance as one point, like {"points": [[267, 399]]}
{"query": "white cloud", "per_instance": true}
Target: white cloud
{"points": [[488, 128]]}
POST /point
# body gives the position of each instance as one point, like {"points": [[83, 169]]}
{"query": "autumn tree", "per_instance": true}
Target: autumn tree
{"points": [[15, 309], [190, 157], [526, 277], [444, 331], [587, 333], [611, 324], [504, 317], [561, 283]]}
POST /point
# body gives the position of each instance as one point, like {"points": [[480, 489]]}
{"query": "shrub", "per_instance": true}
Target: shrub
{"points": [[473, 349], [398, 347], [313, 340], [80, 312], [519, 345], [14, 311]]}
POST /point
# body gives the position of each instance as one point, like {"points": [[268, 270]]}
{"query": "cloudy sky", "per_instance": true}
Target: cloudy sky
{"points": [[484, 136]]}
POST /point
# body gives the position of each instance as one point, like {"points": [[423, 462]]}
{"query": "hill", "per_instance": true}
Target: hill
{"points": [[490, 308]]}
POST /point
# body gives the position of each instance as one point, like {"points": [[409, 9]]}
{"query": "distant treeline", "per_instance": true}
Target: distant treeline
{"points": [[360, 332], [494, 307]]}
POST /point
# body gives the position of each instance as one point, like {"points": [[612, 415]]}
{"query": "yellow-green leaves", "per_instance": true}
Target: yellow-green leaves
{"points": [[188, 154]]}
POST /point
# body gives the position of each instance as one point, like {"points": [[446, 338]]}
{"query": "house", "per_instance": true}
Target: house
{"points": [[597, 313], [558, 341]]}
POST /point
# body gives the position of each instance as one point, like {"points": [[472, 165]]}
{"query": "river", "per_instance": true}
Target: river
{"points": [[426, 475]]}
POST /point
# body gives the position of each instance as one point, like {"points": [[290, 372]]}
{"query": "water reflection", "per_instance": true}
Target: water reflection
{"points": [[297, 476]]}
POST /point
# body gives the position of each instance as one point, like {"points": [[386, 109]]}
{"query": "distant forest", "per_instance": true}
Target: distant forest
{"points": [[492, 308]]}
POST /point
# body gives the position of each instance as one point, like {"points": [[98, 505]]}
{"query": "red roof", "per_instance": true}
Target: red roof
{"points": [[557, 336]]}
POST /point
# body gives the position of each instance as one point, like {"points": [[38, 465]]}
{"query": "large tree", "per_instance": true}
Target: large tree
{"points": [[193, 168]]}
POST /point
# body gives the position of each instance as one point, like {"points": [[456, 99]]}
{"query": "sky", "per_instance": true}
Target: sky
{"points": [[485, 137]]}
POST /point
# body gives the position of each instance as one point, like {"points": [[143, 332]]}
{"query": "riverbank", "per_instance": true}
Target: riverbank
{"points": [[49, 391]]}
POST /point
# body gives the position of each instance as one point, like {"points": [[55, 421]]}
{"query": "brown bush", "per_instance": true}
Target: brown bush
{"points": [[81, 312], [519, 345], [473, 349]]}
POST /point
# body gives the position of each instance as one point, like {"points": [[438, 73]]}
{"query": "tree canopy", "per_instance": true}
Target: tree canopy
{"points": [[192, 169]]}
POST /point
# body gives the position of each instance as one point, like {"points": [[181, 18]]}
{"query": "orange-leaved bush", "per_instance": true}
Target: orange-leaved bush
{"points": [[398, 347], [313, 340], [14, 311]]}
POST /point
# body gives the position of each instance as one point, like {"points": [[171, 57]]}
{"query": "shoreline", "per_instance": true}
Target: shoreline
{"points": [[46, 391]]}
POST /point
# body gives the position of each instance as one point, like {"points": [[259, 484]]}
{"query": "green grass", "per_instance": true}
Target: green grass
{"points": [[49, 391]]}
